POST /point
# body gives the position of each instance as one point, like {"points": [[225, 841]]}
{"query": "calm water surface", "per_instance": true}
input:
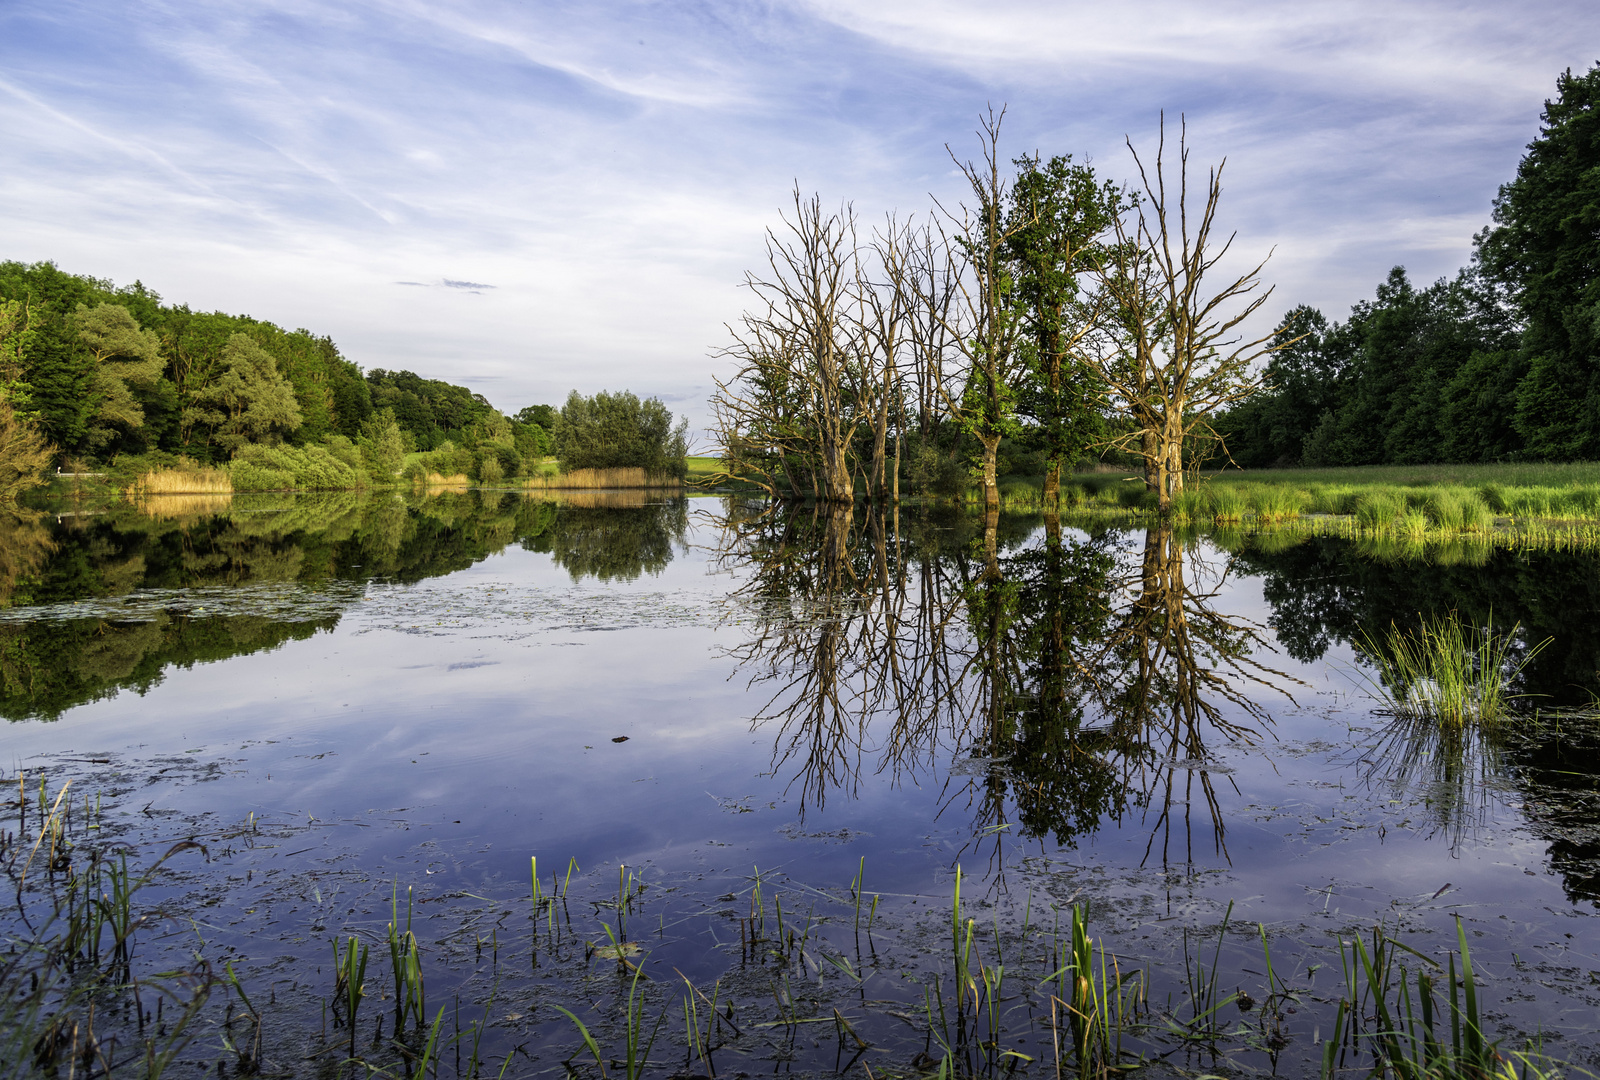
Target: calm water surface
{"points": [[343, 696]]}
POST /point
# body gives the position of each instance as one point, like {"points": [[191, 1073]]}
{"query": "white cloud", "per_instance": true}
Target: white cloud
{"points": [[608, 167]]}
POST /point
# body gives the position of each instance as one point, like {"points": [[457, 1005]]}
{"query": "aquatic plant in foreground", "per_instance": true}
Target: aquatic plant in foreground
{"points": [[1447, 671]]}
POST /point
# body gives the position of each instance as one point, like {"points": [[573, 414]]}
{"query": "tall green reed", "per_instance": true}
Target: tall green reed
{"points": [[1447, 671]]}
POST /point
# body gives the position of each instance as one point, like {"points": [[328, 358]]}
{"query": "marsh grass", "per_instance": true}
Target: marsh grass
{"points": [[997, 1002], [1379, 509], [405, 959], [1547, 506], [1276, 502], [68, 968], [604, 478], [1446, 671], [635, 1045], [1227, 502], [1392, 1007], [1093, 1000], [194, 480], [1528, 474]]}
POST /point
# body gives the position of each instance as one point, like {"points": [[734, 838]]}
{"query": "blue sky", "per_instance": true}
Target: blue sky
{"points": [[536, 197]]}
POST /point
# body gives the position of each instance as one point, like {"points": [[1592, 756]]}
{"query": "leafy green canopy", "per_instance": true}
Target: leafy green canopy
{"points": [[107, 370], [1545, 247], [100, 371], [611, 431], [1500, 363]]}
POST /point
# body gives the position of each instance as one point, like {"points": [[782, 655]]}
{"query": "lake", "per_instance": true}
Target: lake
{"points": [[837, 787]]}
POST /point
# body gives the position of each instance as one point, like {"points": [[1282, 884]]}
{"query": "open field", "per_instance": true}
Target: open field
{"points": [[1525, 474], [703, 467]]}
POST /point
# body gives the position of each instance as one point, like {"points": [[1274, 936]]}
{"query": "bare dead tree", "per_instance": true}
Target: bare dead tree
{"points": [[933, 273], [789, 405], [1176, 354], [883, 316]]}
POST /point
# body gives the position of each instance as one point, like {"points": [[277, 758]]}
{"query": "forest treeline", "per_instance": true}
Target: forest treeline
{"points": [[103, 372], [1056, 315], [1499, 363], [92, 374]]}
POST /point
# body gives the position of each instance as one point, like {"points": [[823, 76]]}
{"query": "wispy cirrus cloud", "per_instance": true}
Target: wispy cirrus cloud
{"points": [[610, 166]]}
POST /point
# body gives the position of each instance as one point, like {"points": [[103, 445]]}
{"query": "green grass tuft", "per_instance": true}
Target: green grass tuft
{"points": [[1378, 509], [1447, 672]]}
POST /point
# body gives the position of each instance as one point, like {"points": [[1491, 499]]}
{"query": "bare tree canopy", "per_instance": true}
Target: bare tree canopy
{"points": [[1054, 313]]}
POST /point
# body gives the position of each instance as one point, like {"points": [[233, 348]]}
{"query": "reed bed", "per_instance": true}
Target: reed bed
{"points": [[604, 478], [195, 481]]}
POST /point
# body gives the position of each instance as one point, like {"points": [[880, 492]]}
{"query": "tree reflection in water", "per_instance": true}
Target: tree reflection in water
{"points": [[1071, 679], [52, 659]]}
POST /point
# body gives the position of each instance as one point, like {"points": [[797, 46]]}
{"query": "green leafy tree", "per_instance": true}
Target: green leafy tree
{"points": [[24, 453], [1545, 245], [382, 447], [250, 402], [1415, 375], [993, 314], [1059, 215], [16, 336], [543, 415], [56, 366], [611, 431], [125, 356]]}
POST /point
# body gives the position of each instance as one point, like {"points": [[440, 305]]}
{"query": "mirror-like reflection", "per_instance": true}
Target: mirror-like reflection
{"points": [[96, 603], [1325, 591], [1052, 682], [1070, 677]]}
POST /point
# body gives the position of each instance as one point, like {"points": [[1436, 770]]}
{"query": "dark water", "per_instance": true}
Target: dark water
{"points": [[341, 697]]}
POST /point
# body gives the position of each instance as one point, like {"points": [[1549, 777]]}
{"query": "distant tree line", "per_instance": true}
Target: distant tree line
{"points": [[1056, 316], [91, 373], [1500, 363]]}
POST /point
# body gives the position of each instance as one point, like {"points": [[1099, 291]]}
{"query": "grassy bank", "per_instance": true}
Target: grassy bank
{"points": [[1526, 474], [1462, 498]]}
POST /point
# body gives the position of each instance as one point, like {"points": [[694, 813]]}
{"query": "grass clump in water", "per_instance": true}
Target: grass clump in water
{"points": [[1379, 509], [1228, 502], [1276, 502], [1448, 672]]}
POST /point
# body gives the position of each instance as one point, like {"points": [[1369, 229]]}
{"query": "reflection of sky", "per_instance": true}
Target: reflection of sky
{"points": [[531, 198], [443, 738]]}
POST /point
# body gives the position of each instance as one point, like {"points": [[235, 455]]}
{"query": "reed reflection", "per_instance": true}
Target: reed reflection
{"points": [[1070, 678]]}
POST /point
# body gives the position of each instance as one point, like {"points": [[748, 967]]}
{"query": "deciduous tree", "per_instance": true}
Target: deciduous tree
{"points": [[1179, 354], [250, 402]]}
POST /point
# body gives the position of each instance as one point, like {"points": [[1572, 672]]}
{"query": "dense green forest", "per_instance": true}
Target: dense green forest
{"points": [[105, 373], [1500, 363]]}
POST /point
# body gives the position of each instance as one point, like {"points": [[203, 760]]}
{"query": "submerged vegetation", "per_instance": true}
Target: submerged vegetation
{"points": [[829, 976]]}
